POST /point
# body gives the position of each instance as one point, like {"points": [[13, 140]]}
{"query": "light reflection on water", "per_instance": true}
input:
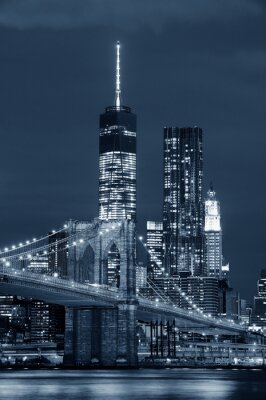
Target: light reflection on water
{"points": [[171, 384]]}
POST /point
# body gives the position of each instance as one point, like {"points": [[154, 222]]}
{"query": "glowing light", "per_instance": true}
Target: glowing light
{"points": [[118, 88]]}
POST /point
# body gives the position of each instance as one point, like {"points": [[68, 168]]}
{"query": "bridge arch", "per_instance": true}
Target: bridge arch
{"points": [[111, 265], [87, 265]]}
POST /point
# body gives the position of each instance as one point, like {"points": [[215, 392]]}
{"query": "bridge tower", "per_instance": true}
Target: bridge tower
{"points": [[105, 251], [104, 254]]}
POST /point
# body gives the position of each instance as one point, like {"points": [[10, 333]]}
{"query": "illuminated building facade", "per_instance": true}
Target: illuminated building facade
{"points": [[183, 208], [154, 248], [195, 291], [259, 311], [213, 235], [39, 264], [117, 159], [57, 259], [47, 322], [203, 291]]}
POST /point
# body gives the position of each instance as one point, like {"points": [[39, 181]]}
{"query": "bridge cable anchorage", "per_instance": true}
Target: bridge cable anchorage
{"points": [[186, 297]]}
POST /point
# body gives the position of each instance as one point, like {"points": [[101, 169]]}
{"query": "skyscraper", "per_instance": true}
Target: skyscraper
{"points": [[117, 162], [155, 248], [47, 322], [183, 208], [259, 312], [57, 259], [213, 235]]}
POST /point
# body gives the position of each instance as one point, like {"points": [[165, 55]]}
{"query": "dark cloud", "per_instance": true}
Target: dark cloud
{"points": [[123, 13]]}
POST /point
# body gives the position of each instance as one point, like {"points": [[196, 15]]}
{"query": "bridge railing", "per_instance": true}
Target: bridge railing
{"points": [[168, 308], [42, 279], [13, 276]]}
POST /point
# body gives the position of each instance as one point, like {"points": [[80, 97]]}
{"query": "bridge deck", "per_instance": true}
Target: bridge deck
{"points": [[68, 293]]}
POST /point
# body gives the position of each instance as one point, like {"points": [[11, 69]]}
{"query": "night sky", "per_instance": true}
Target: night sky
{"points": [[184, 63]]}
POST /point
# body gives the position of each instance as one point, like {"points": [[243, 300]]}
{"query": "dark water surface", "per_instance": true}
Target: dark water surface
{"points": [[187, 384]]}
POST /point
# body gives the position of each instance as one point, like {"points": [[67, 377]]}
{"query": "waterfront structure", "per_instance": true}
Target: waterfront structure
{"points": [[182, 204], [47, 322], [117, 158], [213, 235], [154, 248], [39, 322], [6, 307]]}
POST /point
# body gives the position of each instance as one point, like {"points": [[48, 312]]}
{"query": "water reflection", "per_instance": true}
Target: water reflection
{"points": [[132, 385]]}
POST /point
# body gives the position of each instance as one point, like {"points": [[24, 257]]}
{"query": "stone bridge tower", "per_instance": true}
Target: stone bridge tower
{"points": [[103, 253]]}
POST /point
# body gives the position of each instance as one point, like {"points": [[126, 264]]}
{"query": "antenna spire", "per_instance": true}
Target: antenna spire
{"points": [[117, 83]]}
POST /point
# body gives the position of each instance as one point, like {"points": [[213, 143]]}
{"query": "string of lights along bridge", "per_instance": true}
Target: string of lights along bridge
{"points": [[31, 252], [105, 291]]}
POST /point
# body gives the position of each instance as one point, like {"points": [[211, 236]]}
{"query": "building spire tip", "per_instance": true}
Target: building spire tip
{"points": [[117, 84]]}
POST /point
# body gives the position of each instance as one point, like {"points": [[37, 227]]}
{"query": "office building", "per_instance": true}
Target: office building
{"points": [[203, 291], [117, 159], [155, 249], [58, 254], [259, 311], [213, 235], [182, 205], [186, 291], [38, 264], [47, 322]]}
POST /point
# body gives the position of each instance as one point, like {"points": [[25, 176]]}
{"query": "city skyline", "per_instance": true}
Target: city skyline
{"points": [[37, 174]]}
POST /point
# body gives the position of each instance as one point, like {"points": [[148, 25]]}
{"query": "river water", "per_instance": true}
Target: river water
{"points": [[170, 384]]}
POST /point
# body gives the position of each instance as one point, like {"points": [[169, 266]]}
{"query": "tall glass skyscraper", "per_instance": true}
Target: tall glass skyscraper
{"points": [[183, 207], [213, 234], [117, 163], [155, 249]]}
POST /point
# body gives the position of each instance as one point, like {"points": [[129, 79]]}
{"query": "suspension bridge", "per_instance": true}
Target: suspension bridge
{"points": [[97, 287]]}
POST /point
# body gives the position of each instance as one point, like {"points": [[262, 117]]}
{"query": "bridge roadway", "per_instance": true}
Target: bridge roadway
{"points": [[68, 293]]}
